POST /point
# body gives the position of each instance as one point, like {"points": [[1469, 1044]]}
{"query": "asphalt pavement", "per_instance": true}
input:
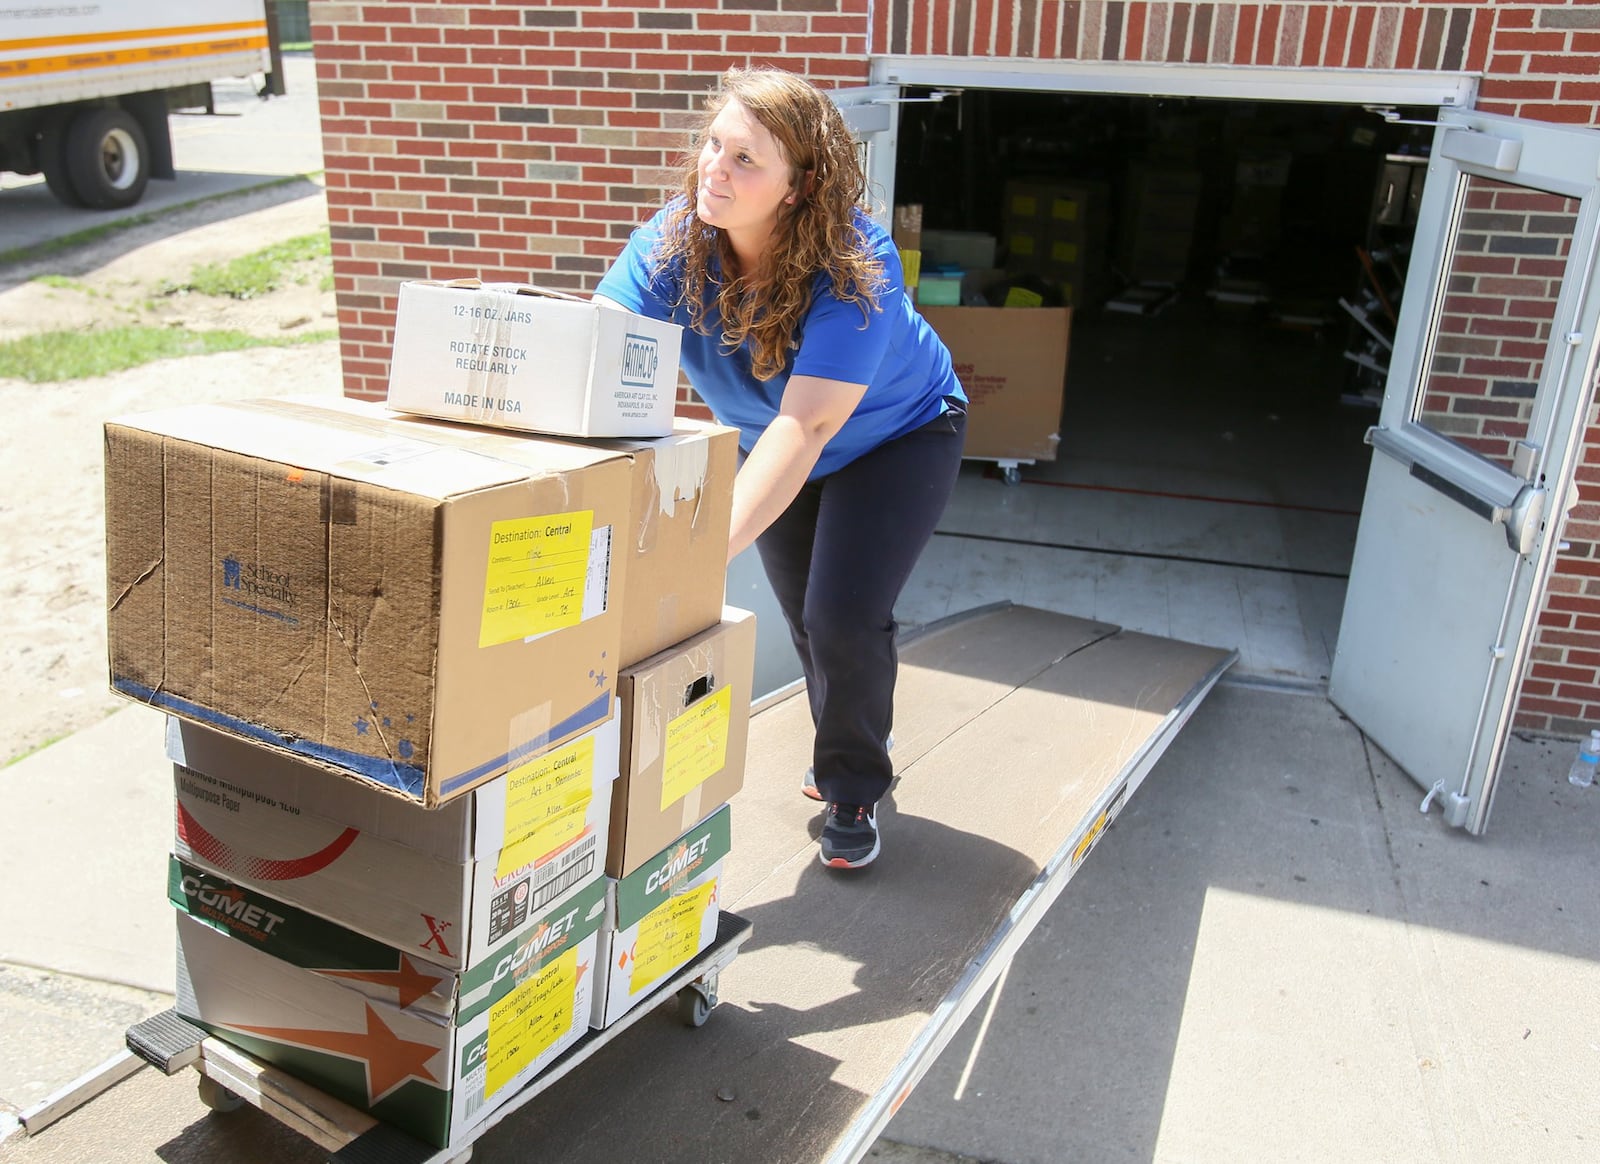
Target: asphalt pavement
{"points": [[247, 143]]}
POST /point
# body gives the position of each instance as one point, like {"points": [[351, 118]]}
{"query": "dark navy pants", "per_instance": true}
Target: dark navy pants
{"points": [[837, 560]]}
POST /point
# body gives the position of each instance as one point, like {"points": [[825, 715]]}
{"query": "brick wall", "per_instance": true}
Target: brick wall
{"points": [[522, 139], [1499, 305]]}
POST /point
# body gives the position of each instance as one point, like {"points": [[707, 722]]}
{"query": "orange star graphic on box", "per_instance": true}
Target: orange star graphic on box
{"points": [[390, 1059], [409, 983]]}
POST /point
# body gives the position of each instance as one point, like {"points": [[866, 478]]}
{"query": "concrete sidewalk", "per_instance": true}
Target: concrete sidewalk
{"points": [[1272, 956]]}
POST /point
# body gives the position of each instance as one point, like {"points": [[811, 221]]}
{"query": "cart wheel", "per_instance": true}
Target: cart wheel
{"points": [[694, 1006], [217, 1097], [1011, 475]]}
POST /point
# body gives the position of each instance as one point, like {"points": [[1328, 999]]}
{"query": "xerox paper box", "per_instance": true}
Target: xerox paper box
{"points": [[421, 605], [527, 358], [449, 884], [430, 1051], [685, 722], [659, 917], [676, 539]]}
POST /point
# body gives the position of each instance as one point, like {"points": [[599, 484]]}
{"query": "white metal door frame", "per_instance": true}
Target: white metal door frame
{"points": [[1382, 87], [1531, 500]]}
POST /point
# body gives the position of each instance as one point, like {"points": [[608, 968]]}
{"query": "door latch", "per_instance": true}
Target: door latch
{"points": [[1523, 519]]}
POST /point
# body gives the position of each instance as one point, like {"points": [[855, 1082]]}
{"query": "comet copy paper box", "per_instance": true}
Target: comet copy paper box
{"points": [[419, 606], [659, 917], [528, 358], [450, 884], [676, 539], [685, 726], [431, 1051]]}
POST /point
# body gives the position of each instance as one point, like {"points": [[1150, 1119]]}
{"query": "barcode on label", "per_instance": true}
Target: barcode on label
{"points": [[574, 874]]}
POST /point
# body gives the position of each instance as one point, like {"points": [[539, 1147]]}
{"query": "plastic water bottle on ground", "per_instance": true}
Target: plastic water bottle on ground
{"points": [[1583, 768]]}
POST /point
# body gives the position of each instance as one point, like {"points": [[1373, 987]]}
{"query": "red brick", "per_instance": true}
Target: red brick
{"points": [[1551, 707]]}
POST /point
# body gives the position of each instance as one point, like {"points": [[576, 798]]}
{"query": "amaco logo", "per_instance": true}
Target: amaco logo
{"points": [[640, 357]]}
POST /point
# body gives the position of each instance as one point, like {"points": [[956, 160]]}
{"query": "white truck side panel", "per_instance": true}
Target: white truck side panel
{"points": [[51, 53]]}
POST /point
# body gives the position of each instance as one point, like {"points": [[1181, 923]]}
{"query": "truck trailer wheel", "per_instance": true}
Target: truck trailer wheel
{"points": [[107, 159], [53, 164]]}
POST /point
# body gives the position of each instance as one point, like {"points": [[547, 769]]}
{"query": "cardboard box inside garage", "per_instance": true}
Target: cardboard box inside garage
{"points": [[1012, 361], [685, 725], [450, 884], [341, 1013], [422, 605], [528, 358]]}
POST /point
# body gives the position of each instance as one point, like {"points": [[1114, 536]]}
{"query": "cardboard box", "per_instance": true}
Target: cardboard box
{"points": [[676, 539], [1074, 208], [513, 356], [908, 239], [1013, 363], [967, 249], [685, 725], [450, 884], [347, 1015], [354, 587], [659, 917], [908, 226]]}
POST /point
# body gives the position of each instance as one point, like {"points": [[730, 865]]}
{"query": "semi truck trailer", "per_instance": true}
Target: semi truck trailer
{"points": [[86, 87]]}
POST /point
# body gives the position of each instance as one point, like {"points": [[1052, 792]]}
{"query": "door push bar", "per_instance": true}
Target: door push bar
{"points": [[1491, 493]]}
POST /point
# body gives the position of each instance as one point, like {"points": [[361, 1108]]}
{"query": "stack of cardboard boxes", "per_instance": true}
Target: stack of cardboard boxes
{"points": [[1057, 229], [1011, 358], [456, 711]]}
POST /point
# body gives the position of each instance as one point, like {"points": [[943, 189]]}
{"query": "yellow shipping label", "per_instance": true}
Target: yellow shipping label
{"points": [[547, 803], [911, 264], [1064, 252], [537, 570], [1065, 209], [669, 935], [1025, 205], [1022, 297], [697, 746], [527, 1022]]}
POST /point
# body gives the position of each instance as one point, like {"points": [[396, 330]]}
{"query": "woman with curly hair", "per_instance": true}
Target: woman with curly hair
{"points": [[799, 332]]}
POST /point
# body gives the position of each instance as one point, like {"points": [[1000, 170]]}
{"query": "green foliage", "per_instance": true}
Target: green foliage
{"points": [[62, 283], [262, 271], [53, 356]]}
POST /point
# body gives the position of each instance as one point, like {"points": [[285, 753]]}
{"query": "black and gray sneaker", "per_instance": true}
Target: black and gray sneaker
{"points": [[850, 836], [808, 786]]}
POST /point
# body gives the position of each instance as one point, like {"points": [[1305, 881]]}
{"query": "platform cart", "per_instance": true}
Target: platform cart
{"points": [[230, 1078], [859, 981]]}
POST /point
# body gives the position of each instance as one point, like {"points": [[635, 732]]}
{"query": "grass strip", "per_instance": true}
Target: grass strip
{"points": [[256, 273], [54, 356]]}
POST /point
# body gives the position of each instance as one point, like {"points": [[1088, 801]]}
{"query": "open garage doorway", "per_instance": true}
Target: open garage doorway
{"points": [[1234, 269]]}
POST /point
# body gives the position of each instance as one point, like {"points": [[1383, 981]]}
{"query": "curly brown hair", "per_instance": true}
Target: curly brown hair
{"points": [[816, 234]]}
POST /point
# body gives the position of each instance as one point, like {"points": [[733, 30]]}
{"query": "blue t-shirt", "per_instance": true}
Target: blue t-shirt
{"points": [[892, 350]]}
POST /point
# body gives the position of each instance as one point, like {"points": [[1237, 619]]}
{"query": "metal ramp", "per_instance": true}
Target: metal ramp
{"points": [[1019, 734]]}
